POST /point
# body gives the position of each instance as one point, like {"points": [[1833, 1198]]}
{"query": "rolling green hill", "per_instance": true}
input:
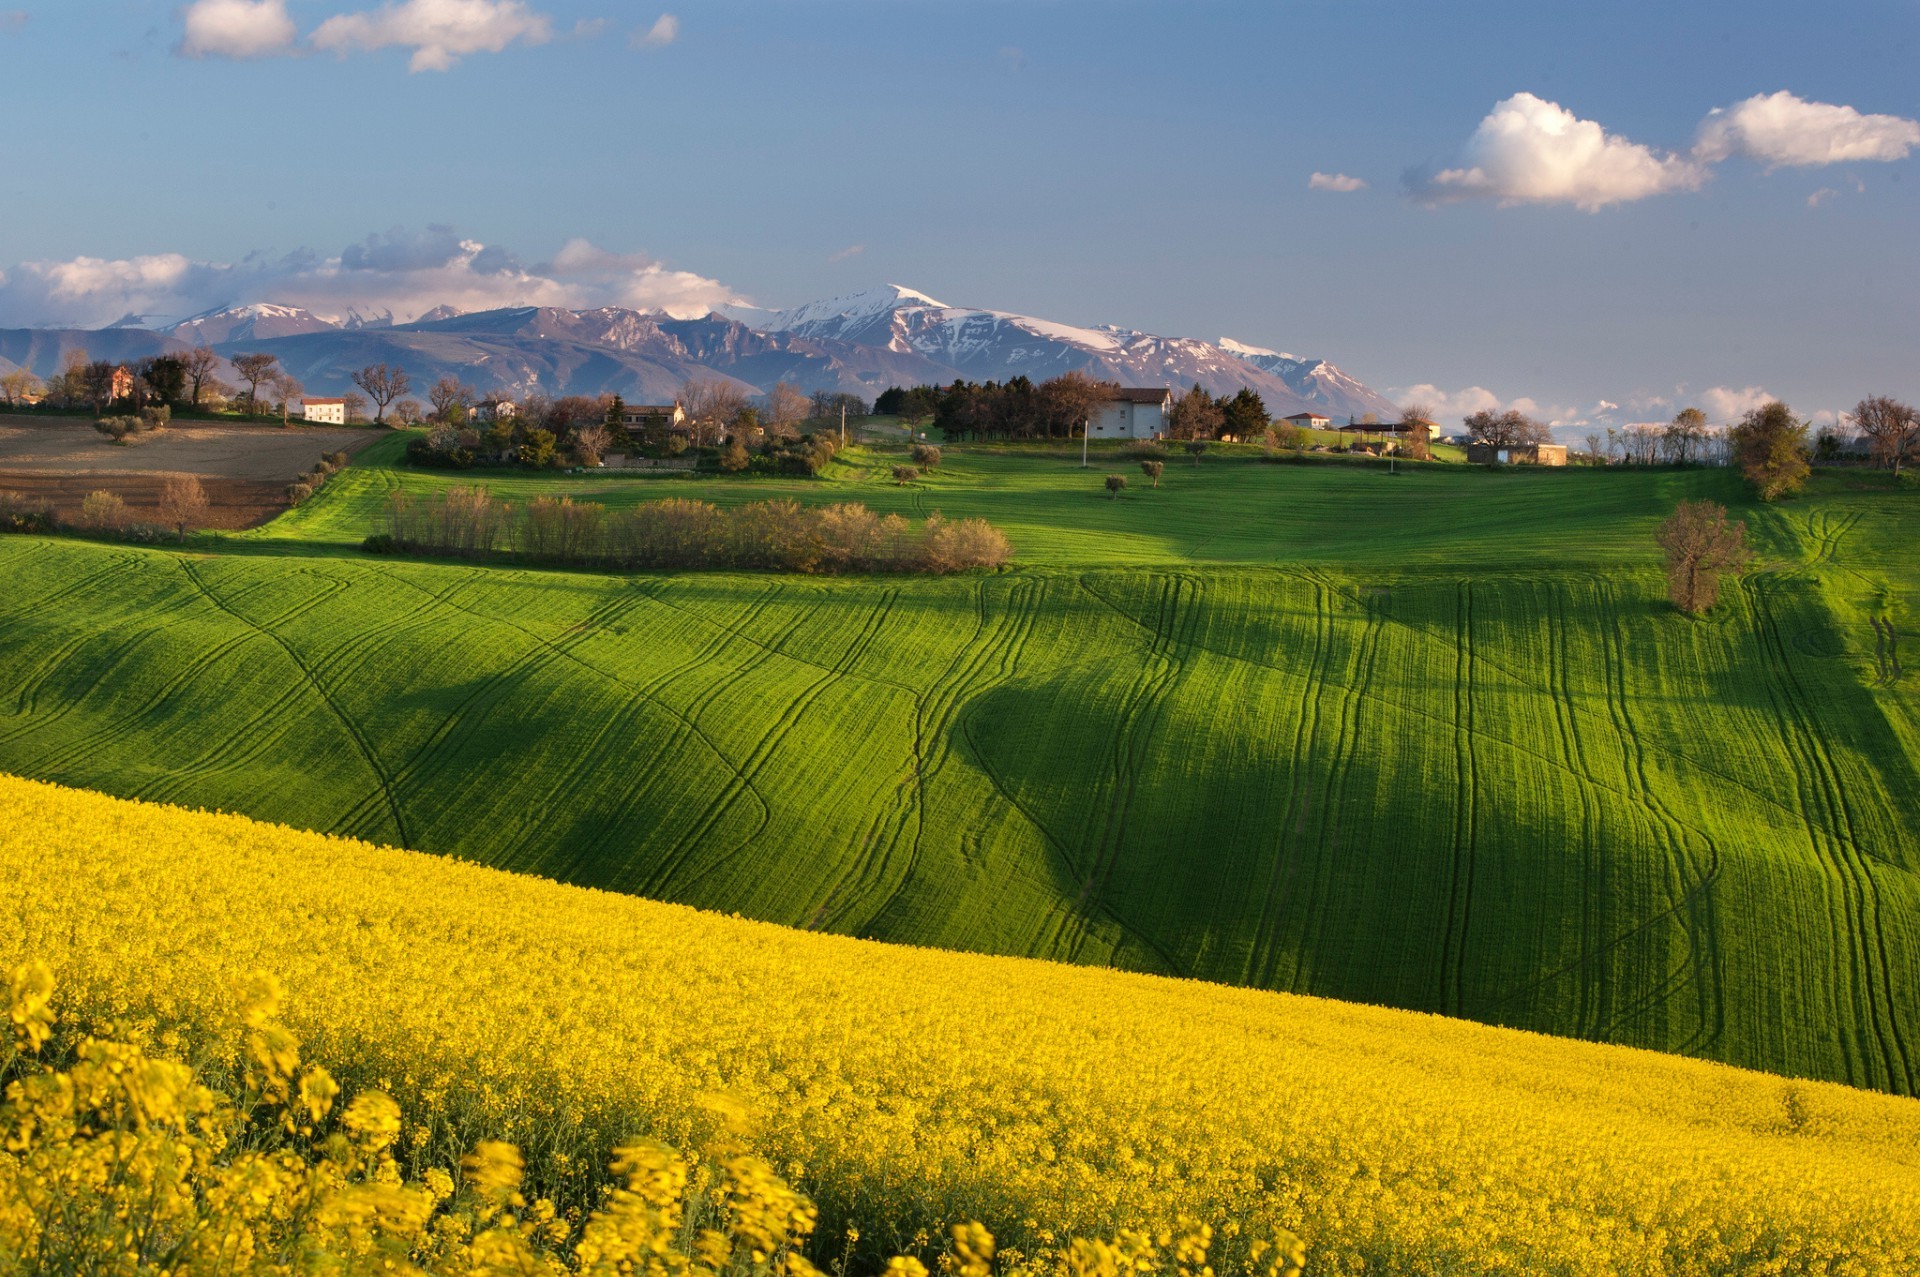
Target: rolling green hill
{"points": [[1433, 741]]}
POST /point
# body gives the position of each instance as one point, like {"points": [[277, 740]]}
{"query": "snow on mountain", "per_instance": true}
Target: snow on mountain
{"points": [[1245, 351], [248, 323]]}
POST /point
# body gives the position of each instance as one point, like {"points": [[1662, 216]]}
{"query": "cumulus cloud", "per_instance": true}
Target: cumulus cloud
{"points": [[1726, 403], [1335, 182], [400, 272], [237, 28], [1779, 130], [440, 32], [664, 31], [1532, 151]]}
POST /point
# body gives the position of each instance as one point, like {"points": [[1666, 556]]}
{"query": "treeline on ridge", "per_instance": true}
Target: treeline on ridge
{"points": [[1058, 408], [780, 535]]}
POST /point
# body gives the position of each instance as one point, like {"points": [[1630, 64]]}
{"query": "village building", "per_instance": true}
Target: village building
{"points": [[1131, 412], [640, 416], [122, 383], [496, 410], [324, 412], [1308, 420], [1517, 454]]}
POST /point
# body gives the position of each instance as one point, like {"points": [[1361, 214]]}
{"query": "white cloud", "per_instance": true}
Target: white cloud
{"points": [[1531, 151], [1726, 403], [1779, 129], [1605, 406], [439, 32], [848, 253], [1821, 196], [237, 28], [664, 31], [1450, 406], [1335, 182], [404, 273]]}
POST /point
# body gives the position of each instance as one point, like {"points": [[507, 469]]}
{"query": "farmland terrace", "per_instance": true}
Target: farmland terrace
{"points": [[1432, 741]]}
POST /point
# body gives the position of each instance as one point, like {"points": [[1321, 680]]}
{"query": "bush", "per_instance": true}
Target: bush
{"points": [[118, 428], [19, 513], [338, 460], [1115, 484], [381, 543], [903, 475], [297, 493], [1146, 450], [926, 456], [103, 512]]}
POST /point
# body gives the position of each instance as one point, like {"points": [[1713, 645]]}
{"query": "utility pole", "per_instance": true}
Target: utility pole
{"points": [[843, 427], [1086, 428]]}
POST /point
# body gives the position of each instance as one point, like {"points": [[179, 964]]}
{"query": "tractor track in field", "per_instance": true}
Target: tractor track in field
{"points": [[228, 755], [1264, 953], [1460, 883], [935, 712], [461, 722], [1140, 715], [763, 753], [1838, 846], [123, 725], [352, 729], [1886, 651]]}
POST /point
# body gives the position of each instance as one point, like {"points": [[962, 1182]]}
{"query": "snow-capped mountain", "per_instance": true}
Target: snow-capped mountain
{"points": [[994, 345], [248, 323]]}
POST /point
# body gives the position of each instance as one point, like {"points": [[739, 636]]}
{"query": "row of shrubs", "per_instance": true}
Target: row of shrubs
{"points": [[146, 422], [779, 535], [183, 504], [324, 469]]}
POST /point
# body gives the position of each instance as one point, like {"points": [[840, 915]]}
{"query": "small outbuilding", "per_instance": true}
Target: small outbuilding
{"points": [[1131, 412], [1517, 454], [324, 412]]}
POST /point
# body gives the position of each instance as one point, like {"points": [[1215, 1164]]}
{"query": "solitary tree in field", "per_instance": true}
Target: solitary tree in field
{"points": [[383, 385], [1892, 429], [1195, 449], [1115, 484], [1700, 545], [903, 475], [198, 366], [183, 502], [254, 369], [1770, 444], [926, 456], [1153, 470]]}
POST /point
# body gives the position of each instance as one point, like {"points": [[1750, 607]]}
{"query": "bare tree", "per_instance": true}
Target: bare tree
{"points": [[1680, 441], [1593, 447], [451, 398], [355, 408], [183, 502], [1416, 431], [1508, 429], [18, 385], [97, 377], [383, 385], [711, 404], [254, 370], [288, 388], [407, 412], [786, 409], [198, 366], [591, 442], [1700, 545], [1066, 403], [1892, 429]]}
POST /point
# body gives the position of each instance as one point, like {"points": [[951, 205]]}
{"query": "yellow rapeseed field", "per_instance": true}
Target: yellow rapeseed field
{"points": [[906, 1091]]}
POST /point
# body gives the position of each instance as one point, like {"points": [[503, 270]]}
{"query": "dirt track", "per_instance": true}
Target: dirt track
{"points": [[244, 469]]}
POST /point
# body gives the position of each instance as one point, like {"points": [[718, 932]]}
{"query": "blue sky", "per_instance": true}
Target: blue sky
{"points": [[1146, 164]]}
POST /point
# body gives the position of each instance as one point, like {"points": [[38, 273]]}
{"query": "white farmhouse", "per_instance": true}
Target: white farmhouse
{"points": [[1131, 412], [1308, 420], [324, 412]]}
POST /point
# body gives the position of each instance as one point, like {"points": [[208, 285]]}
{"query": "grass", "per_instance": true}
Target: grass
{"points": [[1433, 741]]}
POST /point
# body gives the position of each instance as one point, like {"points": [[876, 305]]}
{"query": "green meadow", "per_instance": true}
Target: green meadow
{"points": [[1431, 740]]}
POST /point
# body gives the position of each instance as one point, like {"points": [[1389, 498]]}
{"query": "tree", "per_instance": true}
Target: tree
{"points": [[734, 458], [1701, 544], [1062, 406], [1892, 430], [903, 475], [1196, 416], [182, 502], [1770, 445], [97, 378], [450, 398], [254, 370], [198, 366], [406, 412], [1416, 429], [1245, 414], [1196, 447], [1153, 470], [286, 388], [537, 449], [164, 376], [711, 404], [926, 456], [1508, 429], [787, 407], [590, 443], [355, 407], [1681, 439], [18, 385], [1115, 483], [383, 385]]}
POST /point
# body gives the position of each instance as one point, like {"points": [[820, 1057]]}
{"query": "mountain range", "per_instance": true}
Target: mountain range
{"points": [[861, 343]]}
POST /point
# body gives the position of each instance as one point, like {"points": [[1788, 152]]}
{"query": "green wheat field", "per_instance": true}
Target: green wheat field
{"points": [[1432, 740]]}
